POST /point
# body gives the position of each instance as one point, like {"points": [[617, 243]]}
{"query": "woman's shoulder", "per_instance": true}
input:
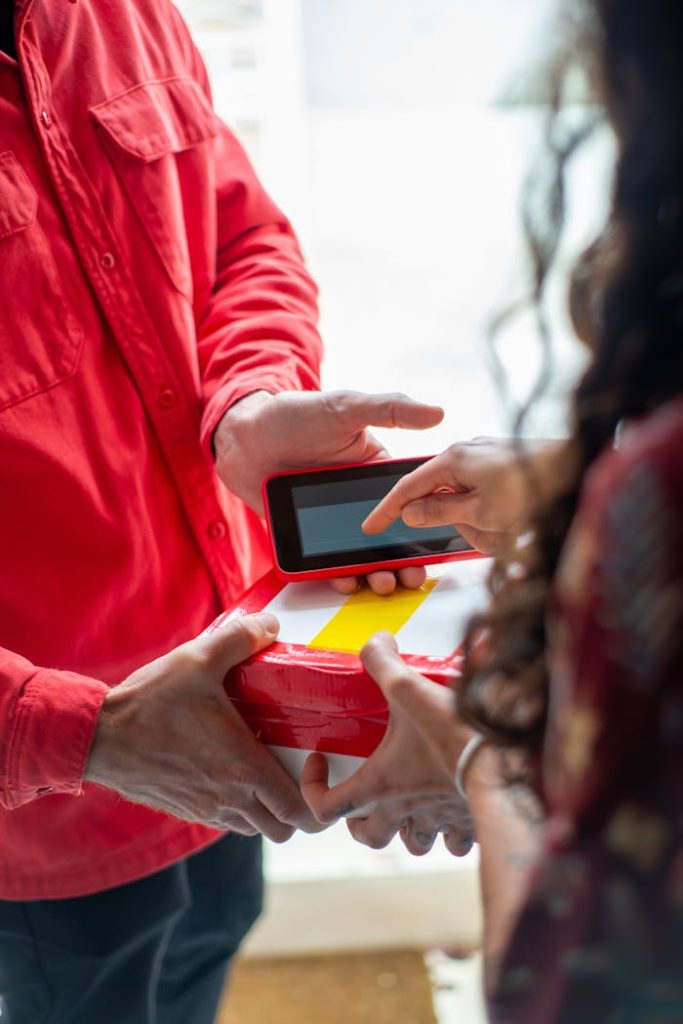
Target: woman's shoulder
{"points": [[649, 455], [626, 541]]}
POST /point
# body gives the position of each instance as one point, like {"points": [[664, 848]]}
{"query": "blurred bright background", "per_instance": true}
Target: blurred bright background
{"points": [[396, 135]]}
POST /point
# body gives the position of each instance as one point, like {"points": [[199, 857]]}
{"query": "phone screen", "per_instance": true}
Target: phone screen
{"points": [[329, 517], [315, 519]]}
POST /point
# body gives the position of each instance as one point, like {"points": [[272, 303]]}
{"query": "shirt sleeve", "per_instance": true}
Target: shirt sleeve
{"points": [[47, 724], [600, 931], [259, 331], [260, 328]]}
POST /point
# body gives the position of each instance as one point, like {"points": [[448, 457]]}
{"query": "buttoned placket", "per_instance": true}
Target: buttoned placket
{"points": [[175, 425]]}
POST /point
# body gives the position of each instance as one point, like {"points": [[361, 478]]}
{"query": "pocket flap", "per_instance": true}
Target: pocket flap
{"points": [[18, 198], [154, 118]]}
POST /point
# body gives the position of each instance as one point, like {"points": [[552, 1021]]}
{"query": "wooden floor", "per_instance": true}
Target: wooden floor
{"points": [[367, 988]]}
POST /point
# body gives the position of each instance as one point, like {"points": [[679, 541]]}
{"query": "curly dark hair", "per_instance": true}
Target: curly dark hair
{"points": [[626, 301]]}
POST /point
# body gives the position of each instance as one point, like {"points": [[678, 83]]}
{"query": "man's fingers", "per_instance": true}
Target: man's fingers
{"points": [[252, 820], [387, 410], [412, 577], [345, 584], [383, 582], [231, 821], [233, 640]]}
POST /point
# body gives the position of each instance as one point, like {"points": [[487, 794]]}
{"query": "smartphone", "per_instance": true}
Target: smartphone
{"points": [[314, 521]]}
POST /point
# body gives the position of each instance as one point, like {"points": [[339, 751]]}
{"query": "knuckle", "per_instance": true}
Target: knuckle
{"points": [[341, 401], [248, 776], [397, 397], [455, 454], [196, 658], [243, 628]]}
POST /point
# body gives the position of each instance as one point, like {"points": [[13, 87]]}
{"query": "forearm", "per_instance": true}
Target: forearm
{"points": [[506, 829]]}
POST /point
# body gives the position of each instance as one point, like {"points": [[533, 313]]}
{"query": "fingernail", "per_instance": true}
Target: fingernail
{"points": [[269, 622], [413, 514]]}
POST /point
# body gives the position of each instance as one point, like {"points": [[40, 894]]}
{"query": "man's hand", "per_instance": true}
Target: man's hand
{"points": [[168, 737], [265, 434], [407, 785], [487, 488]]}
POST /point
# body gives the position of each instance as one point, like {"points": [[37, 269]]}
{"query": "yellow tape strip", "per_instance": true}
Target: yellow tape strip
{"points": [[364, 613]]}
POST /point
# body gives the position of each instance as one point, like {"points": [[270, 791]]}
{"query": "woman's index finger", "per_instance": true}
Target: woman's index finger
{"points": [[422, 481]]}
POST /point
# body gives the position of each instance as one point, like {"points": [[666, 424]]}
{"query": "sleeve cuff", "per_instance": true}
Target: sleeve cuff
{"points": [[52, 732], [232, 392]]}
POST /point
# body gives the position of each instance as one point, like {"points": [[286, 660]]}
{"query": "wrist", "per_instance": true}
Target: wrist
{"points": [[111, 743], [239, 414], [484, 774], [479, 766]]}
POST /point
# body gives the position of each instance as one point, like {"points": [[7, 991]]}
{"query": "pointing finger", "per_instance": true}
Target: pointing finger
{"points": [[424, 480], [441, 509], [387, 410]]}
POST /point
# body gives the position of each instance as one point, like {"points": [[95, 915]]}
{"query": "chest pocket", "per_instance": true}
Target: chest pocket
{"points": [[40, 338], [158, 138]]}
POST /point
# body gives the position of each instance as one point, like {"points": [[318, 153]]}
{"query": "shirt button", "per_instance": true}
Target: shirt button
{"points": [[107, 261], [216, 530], [44, 790], [46, 119], [167, 398]]}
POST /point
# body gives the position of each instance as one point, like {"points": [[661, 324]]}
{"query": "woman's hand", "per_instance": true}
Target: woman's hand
{"points": [[407, 784], [482, 487]]}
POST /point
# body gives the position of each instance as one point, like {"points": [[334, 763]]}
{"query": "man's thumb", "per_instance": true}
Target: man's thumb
{"points": [[228, 641]]}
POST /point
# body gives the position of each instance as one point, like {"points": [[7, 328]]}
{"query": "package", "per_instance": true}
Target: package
{"points": [[309, 690]]}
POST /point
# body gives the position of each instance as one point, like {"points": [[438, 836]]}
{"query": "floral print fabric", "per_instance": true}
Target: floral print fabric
{"points": [[600, 938]]}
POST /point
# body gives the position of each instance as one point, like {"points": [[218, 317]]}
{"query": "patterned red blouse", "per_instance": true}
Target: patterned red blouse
{"points": [[600, 940]]}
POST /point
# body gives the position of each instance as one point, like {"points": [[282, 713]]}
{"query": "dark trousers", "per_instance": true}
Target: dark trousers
{"points": [[152, 952]]}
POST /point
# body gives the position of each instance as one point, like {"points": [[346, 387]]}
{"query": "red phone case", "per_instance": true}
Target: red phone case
{"points": [[362, 568]]}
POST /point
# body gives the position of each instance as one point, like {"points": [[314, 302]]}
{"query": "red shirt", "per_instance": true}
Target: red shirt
{"points": [[147, 282]]}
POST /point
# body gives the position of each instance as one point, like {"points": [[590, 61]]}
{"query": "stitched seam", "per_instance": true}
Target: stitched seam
{"points": [[17, 733]]}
